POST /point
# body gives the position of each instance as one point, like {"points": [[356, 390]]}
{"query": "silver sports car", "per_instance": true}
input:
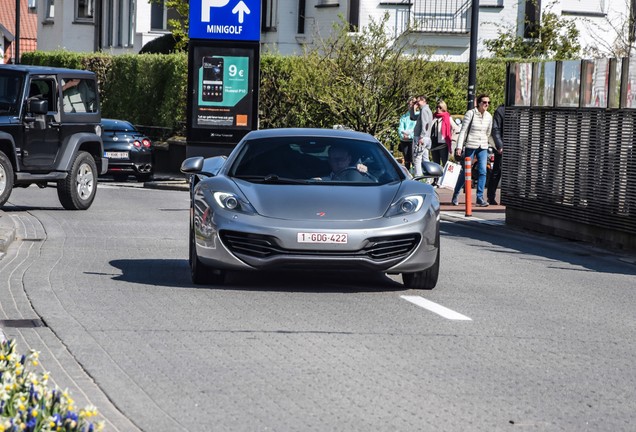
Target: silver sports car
{"points": [[312, 199]]}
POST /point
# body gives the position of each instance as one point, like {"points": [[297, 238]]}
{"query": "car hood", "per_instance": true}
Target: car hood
{"points": [[319, 202]]}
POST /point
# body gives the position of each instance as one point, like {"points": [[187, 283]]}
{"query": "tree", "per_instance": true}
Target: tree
{"points": [[360, 80], [554, 38], [178, 27], [621, 27]]}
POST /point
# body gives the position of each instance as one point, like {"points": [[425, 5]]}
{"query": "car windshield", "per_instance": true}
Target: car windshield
{"points": [[117, 126], [314, 160], [10, 86]]}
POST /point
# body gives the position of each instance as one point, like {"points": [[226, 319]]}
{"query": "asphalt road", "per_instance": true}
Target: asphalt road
{"points": [[522, 332]]}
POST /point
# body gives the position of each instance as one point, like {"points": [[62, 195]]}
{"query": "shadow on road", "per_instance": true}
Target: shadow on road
{"points": [[508, 240], [176, 274]]}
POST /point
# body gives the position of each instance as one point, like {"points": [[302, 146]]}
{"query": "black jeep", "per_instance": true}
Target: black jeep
{"points": [[50, 132]]}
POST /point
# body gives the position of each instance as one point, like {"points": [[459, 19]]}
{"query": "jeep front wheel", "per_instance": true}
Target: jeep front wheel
{"points": [[77, 191], [6, 178]]}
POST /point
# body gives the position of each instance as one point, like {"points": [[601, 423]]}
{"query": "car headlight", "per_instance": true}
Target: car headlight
{"points": [[230, 201], [405, 205]]}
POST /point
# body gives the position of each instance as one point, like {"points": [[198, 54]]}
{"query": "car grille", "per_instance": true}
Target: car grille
{"points": [[376, 248]]}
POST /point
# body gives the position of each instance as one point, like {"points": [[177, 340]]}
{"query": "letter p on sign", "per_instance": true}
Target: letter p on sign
{"points": [[207, 4]]}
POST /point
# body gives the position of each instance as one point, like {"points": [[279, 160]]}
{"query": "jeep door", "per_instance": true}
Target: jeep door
{"points": [[41, 131]]}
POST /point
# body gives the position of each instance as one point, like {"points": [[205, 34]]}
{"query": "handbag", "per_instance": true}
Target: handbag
{"points": [[450, 175]]}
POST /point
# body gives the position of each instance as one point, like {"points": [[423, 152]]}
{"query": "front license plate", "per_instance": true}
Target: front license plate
{"points": [[116, 155], [308, 237]]}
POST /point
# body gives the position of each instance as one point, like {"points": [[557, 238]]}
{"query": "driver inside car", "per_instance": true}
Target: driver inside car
{"points": [[341, 169]]}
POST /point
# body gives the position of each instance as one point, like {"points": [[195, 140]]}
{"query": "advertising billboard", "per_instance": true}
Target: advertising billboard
{"points": [[223, 92]]}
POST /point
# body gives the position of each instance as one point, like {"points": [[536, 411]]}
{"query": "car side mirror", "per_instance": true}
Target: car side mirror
{"points": [[192, 165], [38, 106], [430, 170], [205, 166]]}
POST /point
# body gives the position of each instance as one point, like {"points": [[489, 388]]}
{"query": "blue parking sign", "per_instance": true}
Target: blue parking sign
{"points": [[225, 19]]}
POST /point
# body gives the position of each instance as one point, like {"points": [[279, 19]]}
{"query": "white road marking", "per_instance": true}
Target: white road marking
{"points": [[434, 307]]}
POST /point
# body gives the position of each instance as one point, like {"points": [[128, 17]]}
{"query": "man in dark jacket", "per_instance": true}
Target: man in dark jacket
{"points": [[497, 136]]}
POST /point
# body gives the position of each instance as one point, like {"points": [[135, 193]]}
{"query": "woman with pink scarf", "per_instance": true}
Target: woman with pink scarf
{"points": [[442, 131]]}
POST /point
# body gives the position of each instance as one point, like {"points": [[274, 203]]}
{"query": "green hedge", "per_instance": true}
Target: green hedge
{"points": [[150, 89]]}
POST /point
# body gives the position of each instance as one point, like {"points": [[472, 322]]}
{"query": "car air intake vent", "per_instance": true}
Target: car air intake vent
{"points": [[377, 248], [255, 245], [382, 248]]}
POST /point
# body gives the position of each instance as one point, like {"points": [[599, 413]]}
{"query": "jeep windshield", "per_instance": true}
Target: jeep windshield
{"points": [[10, 86]]}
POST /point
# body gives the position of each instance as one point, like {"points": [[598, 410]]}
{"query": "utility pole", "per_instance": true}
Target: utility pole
{"points": [[631, 35], [472, 62], [16, 56]]}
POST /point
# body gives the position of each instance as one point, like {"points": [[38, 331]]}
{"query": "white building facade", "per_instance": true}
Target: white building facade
{"points": [[441, 27], [111, 26]]}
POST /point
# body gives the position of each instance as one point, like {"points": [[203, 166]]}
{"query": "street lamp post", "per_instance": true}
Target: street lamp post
{"points": [[472, 62], [16, 59]]}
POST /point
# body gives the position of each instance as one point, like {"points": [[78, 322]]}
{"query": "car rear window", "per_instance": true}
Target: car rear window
{"points": [[117, 126]]}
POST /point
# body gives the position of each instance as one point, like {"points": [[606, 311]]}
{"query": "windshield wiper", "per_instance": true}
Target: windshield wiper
{"points": [[271, 179]]}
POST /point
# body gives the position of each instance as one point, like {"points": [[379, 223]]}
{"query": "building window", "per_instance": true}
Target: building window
{"points": [[158, 20], [491, 3], [301, 16], [49, 10], [160, 16], [268, 14], [436, 16], [84, 10], [119, 23], [354, 15], [532, 19]]}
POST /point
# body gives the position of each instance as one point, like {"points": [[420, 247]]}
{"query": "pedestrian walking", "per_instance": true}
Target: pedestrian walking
{"points": [[442, 131], [421, 133], [405, 130], [475, 135], [497, 136]]}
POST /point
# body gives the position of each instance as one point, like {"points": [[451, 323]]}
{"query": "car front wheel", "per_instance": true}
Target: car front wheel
{"points": [[424, 280], [201, 273], [6, 178], [77, 191]]}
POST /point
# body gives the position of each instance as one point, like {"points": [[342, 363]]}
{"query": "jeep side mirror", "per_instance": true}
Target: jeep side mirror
{"points": [[38, 106]]}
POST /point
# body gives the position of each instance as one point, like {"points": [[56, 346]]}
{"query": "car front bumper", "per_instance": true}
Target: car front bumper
{"points": [[230, 241]]}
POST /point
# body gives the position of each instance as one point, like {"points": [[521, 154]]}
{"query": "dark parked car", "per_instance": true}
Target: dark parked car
{"points": [[129, 152]]}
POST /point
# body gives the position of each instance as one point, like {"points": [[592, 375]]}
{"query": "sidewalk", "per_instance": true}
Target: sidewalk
{"points": [[491, 213]]}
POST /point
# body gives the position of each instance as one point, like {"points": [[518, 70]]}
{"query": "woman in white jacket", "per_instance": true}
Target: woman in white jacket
{"points": [[475, 135]]}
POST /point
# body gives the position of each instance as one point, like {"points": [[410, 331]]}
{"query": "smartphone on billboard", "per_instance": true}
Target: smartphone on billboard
{"points": [[212, 89]]}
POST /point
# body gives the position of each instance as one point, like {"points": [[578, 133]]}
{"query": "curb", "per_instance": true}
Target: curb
{"points": [[179, 185], [7, 231]]}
